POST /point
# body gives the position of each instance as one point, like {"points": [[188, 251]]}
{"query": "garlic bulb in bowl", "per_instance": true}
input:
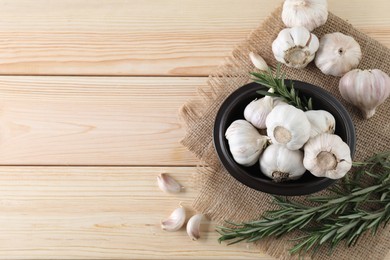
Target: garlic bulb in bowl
{"points": [[295, 47], [326, 155], [366, 89], [338, 53], [281, 164], [321, 121], [307, 13], [288, 126], [245, 143]]}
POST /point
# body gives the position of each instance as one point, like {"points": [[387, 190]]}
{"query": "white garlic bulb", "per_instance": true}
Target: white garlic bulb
{"points": [[338, 53], [289, 126], [326, 155], [295, 47], [258, 61], [281, 164], [245, 142], [321, 121], [366, 89], [307, 13]]}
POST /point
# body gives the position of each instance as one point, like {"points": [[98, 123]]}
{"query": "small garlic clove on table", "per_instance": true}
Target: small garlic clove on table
{"points": [[175, 221], [168, 184], [193, 226], [258, 61]]}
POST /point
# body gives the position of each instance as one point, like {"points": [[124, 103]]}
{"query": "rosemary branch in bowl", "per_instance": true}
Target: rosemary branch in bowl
{"points": [[277, 86], [344, 215]]}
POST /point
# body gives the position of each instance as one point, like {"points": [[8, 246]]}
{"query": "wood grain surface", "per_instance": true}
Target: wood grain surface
{"points": [[89, 95], [144, 37]]}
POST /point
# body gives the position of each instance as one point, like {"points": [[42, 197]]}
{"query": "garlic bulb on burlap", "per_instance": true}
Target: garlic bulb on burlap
{"points": [[295, 47], [281, 164], [307, 13], [338, 53], [245, 142], [326, 155], [289, 126], [366, 89], [321, 121]]}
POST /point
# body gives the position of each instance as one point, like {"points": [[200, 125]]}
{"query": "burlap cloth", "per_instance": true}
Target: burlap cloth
{"points": [[221, 197]]}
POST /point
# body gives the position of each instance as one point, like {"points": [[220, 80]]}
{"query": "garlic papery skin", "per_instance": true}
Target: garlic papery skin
{"points": [[281, 164], [366, 89], [338, 53], [258, 61], [307, 13], [288, 126], [193, 226], [168, 184], [321, 121], [295, 47], [257, 111], [175, 221], [326, 155], [245, 142]]}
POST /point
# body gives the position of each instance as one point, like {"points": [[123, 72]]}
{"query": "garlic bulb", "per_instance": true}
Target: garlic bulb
{"points": [[258, 61], [326, 155], [295, 47], [168, 184], [307, 13], [193, 226], [245, 142], [175, 221], [321, 121], [289, 126], [338, 53], [281, 164], [366, 89]]}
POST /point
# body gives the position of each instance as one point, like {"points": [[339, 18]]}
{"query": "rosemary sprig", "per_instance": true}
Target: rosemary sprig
{"points": [[280, 89], [341, 216]]}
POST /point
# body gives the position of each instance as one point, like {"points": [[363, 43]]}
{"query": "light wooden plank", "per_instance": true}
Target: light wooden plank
{"points": [[144, 37], [93, 120], [100, 213]]}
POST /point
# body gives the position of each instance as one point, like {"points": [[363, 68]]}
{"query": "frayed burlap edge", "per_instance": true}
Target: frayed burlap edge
{"points": [[221, 197]]}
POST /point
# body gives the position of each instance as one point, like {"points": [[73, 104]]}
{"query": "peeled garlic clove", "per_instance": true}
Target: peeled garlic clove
{"points": [[326, 155], [168, 184], [175, 221], [307, 13], [258, 61], [321, 121], [245, 142], [366, 89], [288, 126], [193, 226], [295, 47], [257, 111], [281, 164], [338, 53]]}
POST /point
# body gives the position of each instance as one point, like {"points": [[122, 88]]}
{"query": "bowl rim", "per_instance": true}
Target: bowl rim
{"points": [[264, 185]]}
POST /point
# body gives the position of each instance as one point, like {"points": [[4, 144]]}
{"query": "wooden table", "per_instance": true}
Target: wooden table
{"points": [[89, 95]]}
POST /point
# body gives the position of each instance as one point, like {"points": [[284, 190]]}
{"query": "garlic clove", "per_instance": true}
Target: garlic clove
{"points": [[366, 89], [313, 45], [300, 36], [193, 226], [175, 221], [321, 121], [168, 184], [307, 13], [281, 164], [258, 61], [327, 155], [337, 54]]}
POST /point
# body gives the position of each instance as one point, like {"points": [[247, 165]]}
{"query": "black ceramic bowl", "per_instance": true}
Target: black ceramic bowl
{"points": [[233, 109]]}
